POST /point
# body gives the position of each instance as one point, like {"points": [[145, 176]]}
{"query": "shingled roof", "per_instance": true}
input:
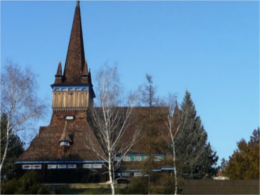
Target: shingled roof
{"points": [[46, 145], [75, 66]]}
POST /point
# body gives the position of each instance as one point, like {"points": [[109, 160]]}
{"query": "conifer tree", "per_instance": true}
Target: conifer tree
{"points": [[194, 153]]}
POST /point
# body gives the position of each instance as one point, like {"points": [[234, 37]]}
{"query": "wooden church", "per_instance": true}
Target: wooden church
{"points": [[59, 153]]}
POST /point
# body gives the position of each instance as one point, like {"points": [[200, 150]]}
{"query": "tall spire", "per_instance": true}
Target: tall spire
{"points": [[75, 56], [58, 76]]}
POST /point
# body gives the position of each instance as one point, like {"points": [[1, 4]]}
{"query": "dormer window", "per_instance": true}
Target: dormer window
{"points": [[64, 143], [65, 138]]}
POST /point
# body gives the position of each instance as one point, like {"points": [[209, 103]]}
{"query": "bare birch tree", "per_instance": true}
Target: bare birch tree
{"points": [[19, 101], [172, 122], [111, 119]]}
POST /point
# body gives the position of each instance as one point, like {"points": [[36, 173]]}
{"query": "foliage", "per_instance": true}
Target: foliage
{"points": [[223, 164], [244, 162], [27, 184], [161, 183], [196, 157], [208, 163], [14, 151], [137, 186]]}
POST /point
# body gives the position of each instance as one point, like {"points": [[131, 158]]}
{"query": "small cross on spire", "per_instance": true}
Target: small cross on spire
{"points": [[77, 3]]}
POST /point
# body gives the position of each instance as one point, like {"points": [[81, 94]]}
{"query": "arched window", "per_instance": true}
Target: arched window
{"points": [[57, 89]]}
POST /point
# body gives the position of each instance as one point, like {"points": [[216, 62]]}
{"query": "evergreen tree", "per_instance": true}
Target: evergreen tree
{"points": [[14, 151], [244, 162], [208, 163], [195, 155]]}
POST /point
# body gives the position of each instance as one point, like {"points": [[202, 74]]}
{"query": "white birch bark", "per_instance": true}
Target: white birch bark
{"points": [[111, 119], [19, 102], [170, 105]]}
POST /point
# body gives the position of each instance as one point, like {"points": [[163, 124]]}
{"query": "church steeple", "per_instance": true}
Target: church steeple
{"points": [[73, 90], [75, 56]]}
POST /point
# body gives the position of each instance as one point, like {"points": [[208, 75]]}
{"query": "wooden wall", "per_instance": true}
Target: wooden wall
{"points": [[69, 99]]}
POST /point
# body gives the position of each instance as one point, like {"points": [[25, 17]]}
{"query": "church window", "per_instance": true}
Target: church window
{"points": [[97, 166], [52, 166], [57, 89], [72, 166], [84, 89], [36, 166], [26, 166], [157, 158], [71, 89], [138, 158], [87, 166], [69, 117], [138, 174], [78, 89], [64, 143], [64, 89], [62, 166], [126, 158], [125, 174]]}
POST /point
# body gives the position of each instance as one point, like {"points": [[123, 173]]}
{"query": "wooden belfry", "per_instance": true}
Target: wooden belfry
{"points": [[59, 153]]}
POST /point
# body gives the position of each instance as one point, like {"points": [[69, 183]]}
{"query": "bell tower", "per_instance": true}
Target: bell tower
{"points": [[73, 90], [61, 151]]}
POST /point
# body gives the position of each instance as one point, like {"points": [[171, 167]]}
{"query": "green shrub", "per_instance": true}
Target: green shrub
{"points": [[137, 186], [9, 187], [27, 184]]}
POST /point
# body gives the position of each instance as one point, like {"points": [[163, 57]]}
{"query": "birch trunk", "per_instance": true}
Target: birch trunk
{"points": [[110, 119], [175, 170], [6, 148], [110, 172], [173, 154]]}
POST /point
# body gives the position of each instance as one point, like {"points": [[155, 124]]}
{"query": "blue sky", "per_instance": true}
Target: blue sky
{"points": [[209, 48]]}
